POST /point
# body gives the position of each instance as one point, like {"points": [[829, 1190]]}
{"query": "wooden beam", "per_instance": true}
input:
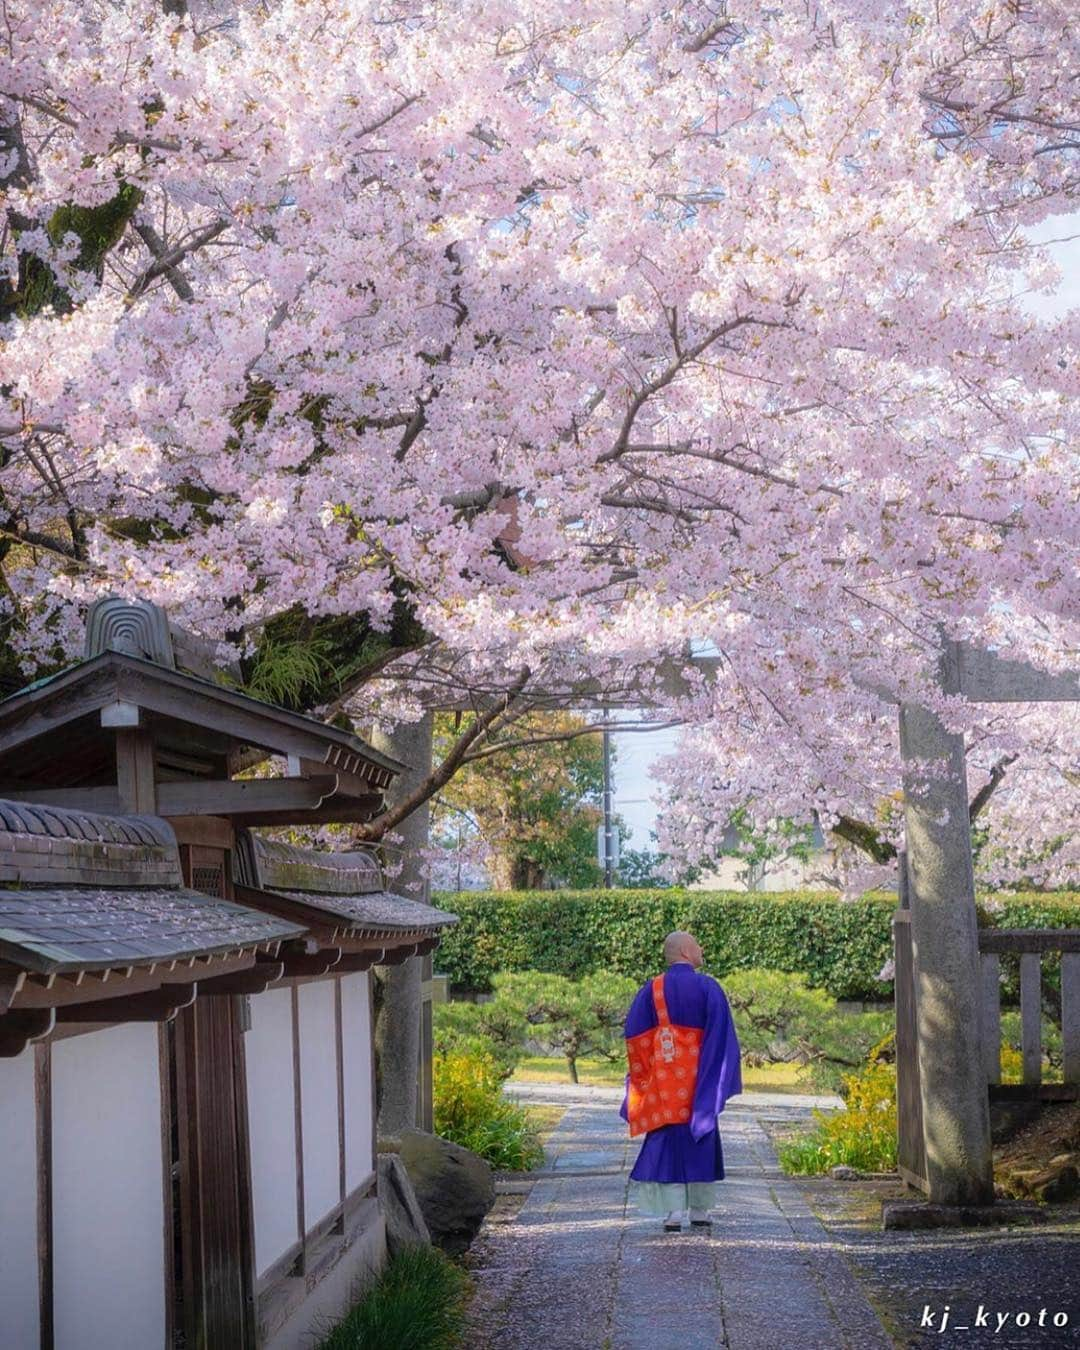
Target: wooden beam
{"points": [[1070, 1017], [252, 981], [237, 716], [160, 1005], [95, 987], [12, 980], [19, 1029], [205, 831], [352, 962], [298, 1131], [228, 797], [72, 694], [135, 771], [1029, 939], [349, 784], [396, 956], [43, 1151], [339, 1066], [105, 799], [1031, 1016], [335, 810], [990, 969]]}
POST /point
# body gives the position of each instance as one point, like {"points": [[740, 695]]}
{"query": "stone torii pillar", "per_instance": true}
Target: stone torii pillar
{"points": [[941, 889]]}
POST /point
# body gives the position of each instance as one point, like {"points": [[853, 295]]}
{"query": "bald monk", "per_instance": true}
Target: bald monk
{"points": [[683, 1060]]}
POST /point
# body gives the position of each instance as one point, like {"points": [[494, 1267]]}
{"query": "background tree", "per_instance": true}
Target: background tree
{"points": [[534, 808]]}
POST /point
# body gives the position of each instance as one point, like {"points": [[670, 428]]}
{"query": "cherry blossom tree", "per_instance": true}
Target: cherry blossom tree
{"points": [[502, 351]]}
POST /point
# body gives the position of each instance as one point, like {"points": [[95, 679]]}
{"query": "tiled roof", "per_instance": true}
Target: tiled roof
{"points": [[94, 929], [85, 891], [344, 885], [378, 912], [52, 845]]}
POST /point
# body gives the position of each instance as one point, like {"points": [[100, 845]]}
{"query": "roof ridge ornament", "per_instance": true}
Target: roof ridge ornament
{"points": [[133, 627]]}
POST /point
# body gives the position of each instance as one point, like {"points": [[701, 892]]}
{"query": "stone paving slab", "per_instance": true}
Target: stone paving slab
{"points": [[578, 1270]]}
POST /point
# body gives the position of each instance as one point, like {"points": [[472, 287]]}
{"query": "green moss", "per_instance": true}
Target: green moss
{"points": [[99, 228]]}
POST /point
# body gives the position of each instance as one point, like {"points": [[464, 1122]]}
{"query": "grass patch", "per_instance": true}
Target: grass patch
{"points": [[417, 1303], [544, 1120], [789, 1077], [552, 1069], [603, 1073]]}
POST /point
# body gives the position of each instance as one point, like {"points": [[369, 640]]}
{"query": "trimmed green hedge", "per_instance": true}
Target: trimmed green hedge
{"points": [[838, 945]]}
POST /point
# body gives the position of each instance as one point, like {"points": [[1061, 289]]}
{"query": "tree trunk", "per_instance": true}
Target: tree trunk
{"points": [[527, 874], [944, 930], [397, 1021], [572, 1061]]}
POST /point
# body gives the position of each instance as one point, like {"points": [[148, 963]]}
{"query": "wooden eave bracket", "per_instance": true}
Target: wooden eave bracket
{"points": [[157, 1005], [19, 1029], [296, 964]]}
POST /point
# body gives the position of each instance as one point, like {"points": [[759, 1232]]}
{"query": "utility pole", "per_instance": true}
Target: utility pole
{"points": [[609, 843]]}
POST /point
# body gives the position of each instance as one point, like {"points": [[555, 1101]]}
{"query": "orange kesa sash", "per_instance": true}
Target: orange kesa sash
{"points": [[663, 1070]]}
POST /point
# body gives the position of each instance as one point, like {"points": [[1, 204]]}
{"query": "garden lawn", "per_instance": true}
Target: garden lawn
{"points": [[603, 1073]]}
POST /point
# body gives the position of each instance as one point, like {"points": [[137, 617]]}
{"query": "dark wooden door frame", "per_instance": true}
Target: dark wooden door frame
{"points": [[216, 1219]]}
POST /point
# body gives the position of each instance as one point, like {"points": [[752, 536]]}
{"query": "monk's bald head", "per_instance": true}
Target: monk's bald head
{"points": [[680, 946]]}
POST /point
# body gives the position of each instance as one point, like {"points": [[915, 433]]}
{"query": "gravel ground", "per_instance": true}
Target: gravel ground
{"points": [[562, 1264], [914, 1278], [575, 1268]]}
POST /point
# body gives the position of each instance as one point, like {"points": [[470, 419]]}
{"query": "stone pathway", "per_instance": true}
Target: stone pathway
{"points": [[577, 1269]]}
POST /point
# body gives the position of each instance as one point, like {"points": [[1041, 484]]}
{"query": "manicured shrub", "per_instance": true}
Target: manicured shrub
{"points": [[782, 1019], [839, 945], [417, 1303], [497, 1030], [470, 1110], [577, 1019]]}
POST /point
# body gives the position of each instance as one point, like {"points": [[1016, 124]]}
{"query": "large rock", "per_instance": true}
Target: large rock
{"points": [[454, 1187], [405, 1225]]}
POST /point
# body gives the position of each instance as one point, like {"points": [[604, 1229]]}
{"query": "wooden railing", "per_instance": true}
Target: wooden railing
{"points": [[1031, 944]]}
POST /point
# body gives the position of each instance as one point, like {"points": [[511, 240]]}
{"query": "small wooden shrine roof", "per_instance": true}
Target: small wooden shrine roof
{"points": [[139, 672], [346, 887], [87, 892]]}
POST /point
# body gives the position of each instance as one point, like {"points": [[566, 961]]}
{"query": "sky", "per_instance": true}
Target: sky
{"points": [[636, 752]]}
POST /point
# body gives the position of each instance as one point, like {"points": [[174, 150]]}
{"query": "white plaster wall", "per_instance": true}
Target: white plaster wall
{"points": [[18, 1204], [319, 1099], [335, 1294], [272, 1125], [359, 1109], [108, 1210]]}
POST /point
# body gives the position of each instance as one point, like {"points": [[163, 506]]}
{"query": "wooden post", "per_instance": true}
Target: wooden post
{"points": [[397, 1033], [952, 1075], [991, 1015], [1031, 1016], [135, 771], [1070, 1016]]}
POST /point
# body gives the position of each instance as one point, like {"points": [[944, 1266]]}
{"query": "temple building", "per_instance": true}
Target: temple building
{"points": [[187, 1096]]}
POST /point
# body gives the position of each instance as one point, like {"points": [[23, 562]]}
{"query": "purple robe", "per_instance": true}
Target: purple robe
{"points": [[690, 1152]]}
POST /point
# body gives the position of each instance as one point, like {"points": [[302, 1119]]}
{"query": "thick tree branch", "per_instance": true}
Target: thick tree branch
{"points": [[485, 722], [167, 262]]}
